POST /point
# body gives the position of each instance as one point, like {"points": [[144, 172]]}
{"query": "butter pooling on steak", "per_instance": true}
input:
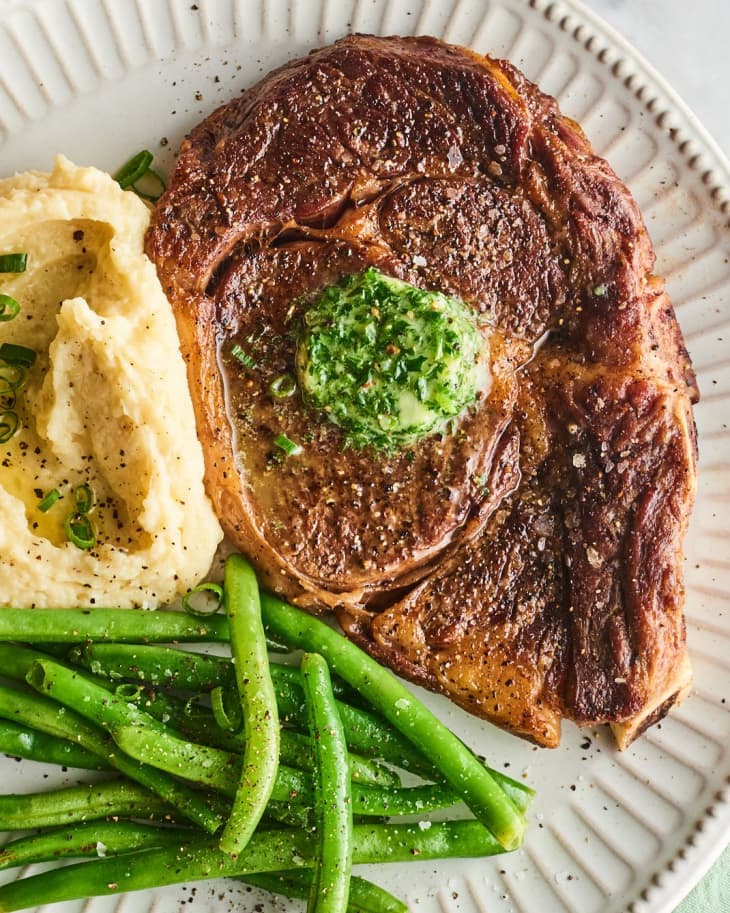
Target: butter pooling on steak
{"points": [[527, 565]]}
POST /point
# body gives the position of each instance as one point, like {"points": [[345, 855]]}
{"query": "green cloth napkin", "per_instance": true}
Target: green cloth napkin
{"points": [[712, 894]]}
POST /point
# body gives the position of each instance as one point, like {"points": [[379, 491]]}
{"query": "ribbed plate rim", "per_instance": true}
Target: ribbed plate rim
{"points": [[701, 154]]}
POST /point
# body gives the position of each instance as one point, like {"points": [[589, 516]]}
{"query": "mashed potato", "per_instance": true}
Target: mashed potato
{"points": [[106, 403]]}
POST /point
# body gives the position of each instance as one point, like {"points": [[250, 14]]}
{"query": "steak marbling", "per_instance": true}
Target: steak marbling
{"points": [[528, 565]]}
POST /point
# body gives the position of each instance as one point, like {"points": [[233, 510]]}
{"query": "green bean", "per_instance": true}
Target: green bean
{"points": [[365, 897], [75, 626], [144, 739], [24, 742], [220, 770], [365, 733], [362, 729], [269, 851], [79, 803], [258, 705], [372, 736], [405, 800], [173, 668], [301, 816], [519, 794], [461, 769], [296, 751], [211, 767], [48, 716], [332, 797], [196, 723], [98, 839], [16, 661], [157, 665], [165, 666]]}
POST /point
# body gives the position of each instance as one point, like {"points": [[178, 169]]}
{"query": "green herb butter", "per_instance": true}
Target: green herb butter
{"points": [[388, 362]]}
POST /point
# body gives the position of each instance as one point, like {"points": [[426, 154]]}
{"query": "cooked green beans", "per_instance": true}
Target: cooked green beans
{"points": [[366, 734], [365, 897], [270, 851], [169, 667], [456, 762], [189, 759], [330, 888], [197, 724], [25, 742], [74, 626], [98, 839], [79, 803], [258, 705], [48, 716], [221, 770]]}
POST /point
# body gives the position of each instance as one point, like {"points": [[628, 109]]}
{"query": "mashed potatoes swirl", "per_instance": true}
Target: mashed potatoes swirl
{"points": [[106, 403]]}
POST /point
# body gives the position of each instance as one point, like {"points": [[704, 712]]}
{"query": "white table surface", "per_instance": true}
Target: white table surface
{"points": [[688, 42]]}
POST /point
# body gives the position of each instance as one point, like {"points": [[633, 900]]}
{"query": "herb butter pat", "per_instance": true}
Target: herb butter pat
{"points": [[388, 362]]}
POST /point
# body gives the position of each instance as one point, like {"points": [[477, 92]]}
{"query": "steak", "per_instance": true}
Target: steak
{"points": [[528, 562]]}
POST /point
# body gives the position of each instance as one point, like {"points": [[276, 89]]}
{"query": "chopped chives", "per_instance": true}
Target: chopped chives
{"points": [[84, 498], [231, 722], [17, 355], [9, 308], [13, 263], [134, 169], [212, 604], [11, 377], [48, 500], [8, 426], [290, 447], [243, 357], [137, 169], [80, 531], [128, 691], [283, 386], [151, 177]]}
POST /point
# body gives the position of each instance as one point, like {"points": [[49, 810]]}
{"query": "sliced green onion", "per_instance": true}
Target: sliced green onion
{"points": [[283, 386], [128, 691], [9, 308], [8, 400], [8, 426], [48, 500], [210, 605], [151, 176], [290, 447], [17, 355], [231, 722], [243, 357], [84, 498], [80, 531], [13, 263], [11, 377], [133, 170]]}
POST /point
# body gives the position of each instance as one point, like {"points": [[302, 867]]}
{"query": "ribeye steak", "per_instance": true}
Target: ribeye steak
{"points": [[528, 563]]}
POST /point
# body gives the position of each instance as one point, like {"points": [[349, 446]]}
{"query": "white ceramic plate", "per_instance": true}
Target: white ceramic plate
{"points": [[100, 79]]}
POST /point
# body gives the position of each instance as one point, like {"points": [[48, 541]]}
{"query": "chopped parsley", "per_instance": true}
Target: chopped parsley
{"points": [[388, 362], [242, 357]]}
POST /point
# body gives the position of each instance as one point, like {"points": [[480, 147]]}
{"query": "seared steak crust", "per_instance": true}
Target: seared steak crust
{"points": [[527, 564]]}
